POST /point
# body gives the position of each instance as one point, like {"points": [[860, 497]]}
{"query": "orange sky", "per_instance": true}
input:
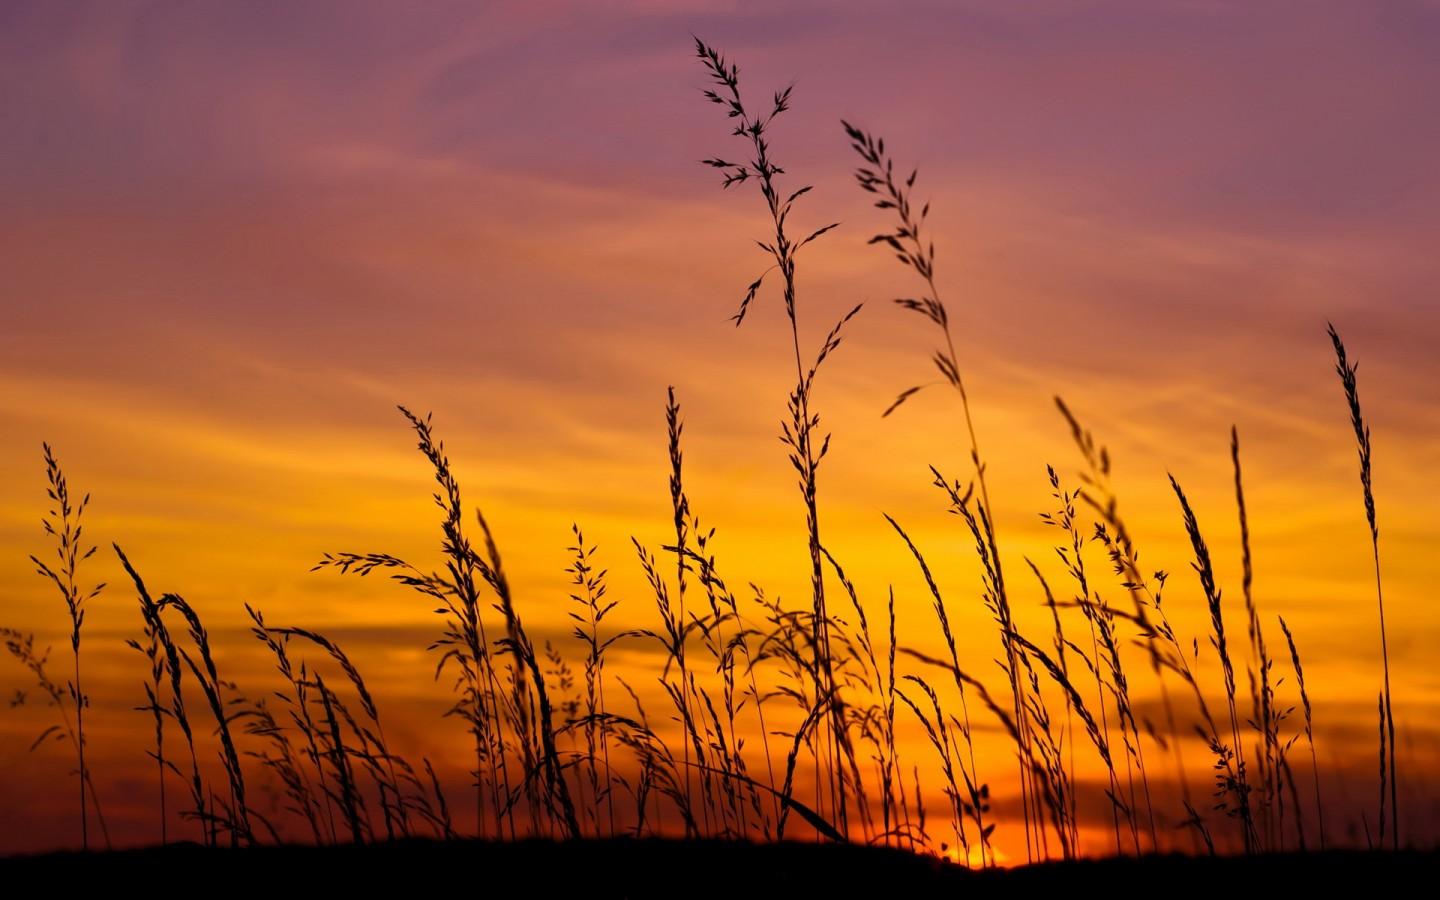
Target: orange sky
{"points": [[234, 236]]}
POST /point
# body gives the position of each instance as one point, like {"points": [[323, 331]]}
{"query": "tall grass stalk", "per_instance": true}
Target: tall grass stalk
{"points": [[63, 523], [590, 596], [1309, 727], [155, 656], [680, 508], [916, 251], [464, 642], [1346, 370], [1264, 715], [799, 434], [1238, 781], [1114, 533], [151, 613], [974, 801], [1099, 621]]}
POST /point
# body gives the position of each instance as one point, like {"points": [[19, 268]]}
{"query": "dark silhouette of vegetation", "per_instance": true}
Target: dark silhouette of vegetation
{"points": [[778, 720]]}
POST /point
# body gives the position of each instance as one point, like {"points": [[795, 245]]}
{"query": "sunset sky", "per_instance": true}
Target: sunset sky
{"points": [[234, 235]]}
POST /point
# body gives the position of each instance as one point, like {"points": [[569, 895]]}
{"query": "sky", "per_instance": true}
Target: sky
{"points": [[235, 235]]}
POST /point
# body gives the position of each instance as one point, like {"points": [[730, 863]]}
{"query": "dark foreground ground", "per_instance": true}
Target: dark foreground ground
{"points": [[664, 868]]}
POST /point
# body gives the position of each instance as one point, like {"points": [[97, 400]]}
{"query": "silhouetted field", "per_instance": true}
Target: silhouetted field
{"points": [[778, 721]]}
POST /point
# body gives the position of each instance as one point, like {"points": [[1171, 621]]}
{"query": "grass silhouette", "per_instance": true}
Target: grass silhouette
{"points": [[559, 760]]}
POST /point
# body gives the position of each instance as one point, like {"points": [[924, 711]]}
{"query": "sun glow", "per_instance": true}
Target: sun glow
{"points": [[224, 268]]}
